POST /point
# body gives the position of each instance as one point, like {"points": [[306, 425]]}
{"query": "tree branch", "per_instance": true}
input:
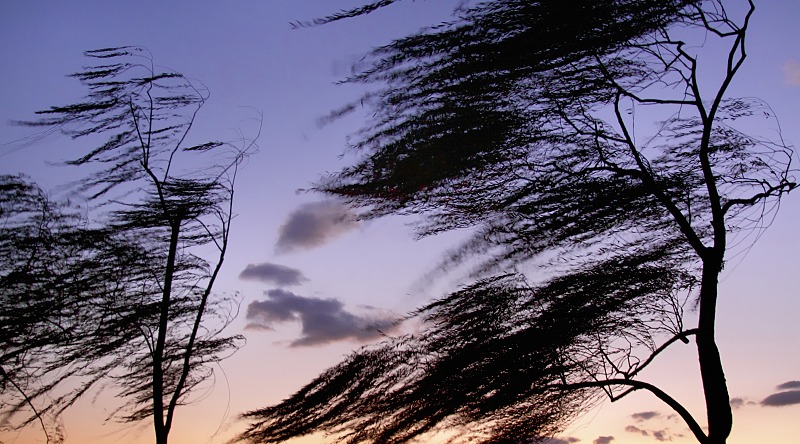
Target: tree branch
{"points": [[640, 385]]}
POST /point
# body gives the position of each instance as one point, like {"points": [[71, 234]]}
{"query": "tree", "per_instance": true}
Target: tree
{"points": [[128, 295], [523, 121]]}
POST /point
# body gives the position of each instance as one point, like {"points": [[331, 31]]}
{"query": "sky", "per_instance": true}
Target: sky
{"points": [[310, 277]]}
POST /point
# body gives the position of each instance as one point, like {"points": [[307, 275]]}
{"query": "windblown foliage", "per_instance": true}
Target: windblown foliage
{"points": [[76, 301], [523, 121], [488, 360], [126, 296]]}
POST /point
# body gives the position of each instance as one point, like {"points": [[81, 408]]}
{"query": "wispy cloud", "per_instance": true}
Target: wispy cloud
{"points": [[791, 72], [662, 434], [313, 224], [270, 273], [781, 399], [789, 395], [789, 385], [603, 440], [634, 429], [737, 403], [323, 320], [568, 440], [645, 416]]}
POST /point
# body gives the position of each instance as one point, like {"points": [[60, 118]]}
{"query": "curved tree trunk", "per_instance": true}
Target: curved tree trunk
{"points": [[715, 388]]}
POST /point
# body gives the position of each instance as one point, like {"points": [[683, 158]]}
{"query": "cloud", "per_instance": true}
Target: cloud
{"points": [[272, 274], [603, 440], [323, 320], [789, 385], [661, 435], [781, 399], [791, 72], [313, 224], [737, 403], [634, 429], [569, 440], [644, 416]]}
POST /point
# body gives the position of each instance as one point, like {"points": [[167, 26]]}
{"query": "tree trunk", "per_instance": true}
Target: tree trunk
{"points": [[162, 429], [715, 388]]}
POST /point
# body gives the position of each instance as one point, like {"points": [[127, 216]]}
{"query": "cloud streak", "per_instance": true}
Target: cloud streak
{"points": [[568, 440], [323, 320], [645, 416], [270, 273], [634, 429], [782, 399], [314, 224], [737, 403], [603, 440], [663, 435], [789, 385], [789, 395]]}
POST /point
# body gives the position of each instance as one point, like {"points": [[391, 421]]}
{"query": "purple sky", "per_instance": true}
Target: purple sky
{"points": [[246, 53]]}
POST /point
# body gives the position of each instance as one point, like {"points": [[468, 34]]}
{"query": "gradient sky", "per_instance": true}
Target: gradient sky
{"points": [[311, 279]]}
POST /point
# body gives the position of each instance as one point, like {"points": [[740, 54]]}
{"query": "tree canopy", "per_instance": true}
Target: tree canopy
{"points": [[527, 121], [121, 294]]}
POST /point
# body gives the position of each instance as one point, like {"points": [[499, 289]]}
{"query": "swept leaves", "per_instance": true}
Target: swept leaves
{"points": [[520, 120]]}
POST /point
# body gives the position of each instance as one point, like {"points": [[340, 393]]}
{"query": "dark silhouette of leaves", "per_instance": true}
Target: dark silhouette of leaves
{"points": [[521, 121]]}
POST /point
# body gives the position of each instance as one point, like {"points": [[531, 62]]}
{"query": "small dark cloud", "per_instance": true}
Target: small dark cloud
{"points": [[272, 274], [781, 399], [634, 429], [258, 327], [313, 224], [789, 385], [603, 440], [568, 440], [661, 435], [737, 403], [645, 416], [322, 320], [666, 435]]}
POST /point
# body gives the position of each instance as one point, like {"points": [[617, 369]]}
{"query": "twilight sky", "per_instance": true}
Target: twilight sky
{"points": [[312, 279]]}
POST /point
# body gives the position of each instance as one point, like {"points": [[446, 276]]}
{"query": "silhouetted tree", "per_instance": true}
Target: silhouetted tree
{"points": [[523, 120], [128, 296]]}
